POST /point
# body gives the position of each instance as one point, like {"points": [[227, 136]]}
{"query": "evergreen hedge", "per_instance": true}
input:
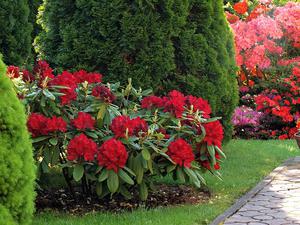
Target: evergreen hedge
{"points": [[165, 44], [16, 160], [15, 35]]}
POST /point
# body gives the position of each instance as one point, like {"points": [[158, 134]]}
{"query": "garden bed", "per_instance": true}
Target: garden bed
{"points": [[61, 200]]}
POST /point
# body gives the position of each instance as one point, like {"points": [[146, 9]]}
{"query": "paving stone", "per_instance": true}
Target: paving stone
{"points": [[278, 201]]}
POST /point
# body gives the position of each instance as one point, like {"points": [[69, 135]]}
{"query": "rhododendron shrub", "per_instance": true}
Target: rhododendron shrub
{"points": [[110, 138], [279, 101], [266, 37]]}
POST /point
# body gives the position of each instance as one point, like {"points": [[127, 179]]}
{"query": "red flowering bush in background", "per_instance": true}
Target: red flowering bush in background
{"points": [[114, 138], [268, 53]]}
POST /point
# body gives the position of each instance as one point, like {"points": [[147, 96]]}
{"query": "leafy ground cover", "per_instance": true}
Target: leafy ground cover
{"points": [[248, 162]]}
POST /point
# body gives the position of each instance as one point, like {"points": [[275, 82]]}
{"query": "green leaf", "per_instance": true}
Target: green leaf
{"points": [[143, 191], [138, 169], [192, 176], [112, 181], [145, 153], [150, 165], [39, 139], [171, 168], [129, 171], [211, 151], [91, 134], [78, 172], [53, 141], [180, 175], [101, 112], [125, 192], [220, 152], [103, 175], [125, 177], [99, 189], [48, 94]]}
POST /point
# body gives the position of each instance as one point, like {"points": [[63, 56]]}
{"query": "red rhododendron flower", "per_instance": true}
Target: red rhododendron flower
{"points": [[284, 112], [81, 146], [43, 71], [27, 76], [103, 93], [119, 126], [13, 71], [56, 124], [174, 103], [214, 133], [84, 121], [152, 102], [138, 125], [217, 166], [199, 104], [122, 124], [231, 17], [241, 7], [83, 76], [69, 81], [283, 137], [112, 155], [37, 124], [181, 153]]}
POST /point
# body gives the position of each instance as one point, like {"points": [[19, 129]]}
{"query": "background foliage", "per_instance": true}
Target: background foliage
{"points": [[15, 35]]}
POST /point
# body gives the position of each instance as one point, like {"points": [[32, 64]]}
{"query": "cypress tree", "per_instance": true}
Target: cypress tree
{"points": [[16, 159], [165, 44], [15, 35]]}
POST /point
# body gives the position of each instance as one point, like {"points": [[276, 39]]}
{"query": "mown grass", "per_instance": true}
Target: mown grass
{"points": [[247, 163]]}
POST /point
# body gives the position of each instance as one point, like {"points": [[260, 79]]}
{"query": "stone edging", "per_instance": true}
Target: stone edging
{"points": [[245, 198]]}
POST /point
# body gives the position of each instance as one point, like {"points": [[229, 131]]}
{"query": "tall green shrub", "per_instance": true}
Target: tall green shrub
{"points": [[166, 44], [16, 160], [15, 32]]}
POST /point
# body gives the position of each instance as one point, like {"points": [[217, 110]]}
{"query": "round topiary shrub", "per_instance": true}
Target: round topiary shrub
{"points": [[170, 44], [16, 160]]}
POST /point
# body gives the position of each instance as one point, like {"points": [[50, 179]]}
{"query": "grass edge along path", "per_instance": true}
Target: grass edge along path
{"points": [[248, 161]]}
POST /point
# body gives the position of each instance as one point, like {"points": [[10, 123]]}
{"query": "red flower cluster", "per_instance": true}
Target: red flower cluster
{"points": [[181, 153], [103, 93], [40, 125], [84, 121], [176, 102], [241, 7], [43, 71], [214, 133], [83, 76], [198, 104], [69, 81], [152, 102], [122, 125], [81, 146], [113, 155], [13, 72], [27, 76]]}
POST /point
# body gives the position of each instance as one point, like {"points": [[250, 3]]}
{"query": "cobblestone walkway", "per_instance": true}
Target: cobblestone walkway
{"points": [[276, 200]]}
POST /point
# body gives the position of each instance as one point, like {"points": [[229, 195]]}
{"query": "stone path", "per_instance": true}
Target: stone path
{"points": [[275, 201]]}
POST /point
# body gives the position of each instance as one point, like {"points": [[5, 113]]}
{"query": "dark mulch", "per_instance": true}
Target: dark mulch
{"points": [[62, 201]]}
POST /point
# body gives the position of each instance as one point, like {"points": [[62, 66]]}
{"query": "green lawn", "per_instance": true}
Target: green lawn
{"points": [[247, 163]]}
